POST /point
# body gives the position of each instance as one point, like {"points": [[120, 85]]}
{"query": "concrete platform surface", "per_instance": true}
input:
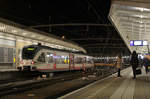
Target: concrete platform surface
{"points": [[114, 87], [8, 70]]}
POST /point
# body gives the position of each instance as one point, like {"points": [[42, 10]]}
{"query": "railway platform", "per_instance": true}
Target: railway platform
{"points": [[8, 73], [114, 87], [8, 70]]}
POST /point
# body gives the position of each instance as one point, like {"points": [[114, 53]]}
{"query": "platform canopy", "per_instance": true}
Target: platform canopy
{"points": [[20, 32], [131, 18]]}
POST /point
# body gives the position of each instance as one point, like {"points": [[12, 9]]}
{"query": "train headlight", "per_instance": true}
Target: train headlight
{"points": [[32, 62]]}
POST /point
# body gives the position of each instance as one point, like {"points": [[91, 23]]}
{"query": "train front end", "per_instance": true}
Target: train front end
{"points": [[26, 63]]}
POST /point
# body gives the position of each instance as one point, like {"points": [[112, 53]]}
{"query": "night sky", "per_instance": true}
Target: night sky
{"points": [[59, 11]]}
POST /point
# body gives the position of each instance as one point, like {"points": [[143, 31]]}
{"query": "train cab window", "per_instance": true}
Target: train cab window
{"points": [[29, 52], [41, 57], [49, 57]]}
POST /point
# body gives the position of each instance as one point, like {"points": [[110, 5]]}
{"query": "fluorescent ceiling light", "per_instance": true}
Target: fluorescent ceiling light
{"points": [[33, 36], [40, 37], [24, 33], [140, 22]]}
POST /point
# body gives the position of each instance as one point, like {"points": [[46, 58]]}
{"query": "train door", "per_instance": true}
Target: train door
{"points": [[54, 61], [44, 61], [42, 65], [49, 60], [71, 62]]}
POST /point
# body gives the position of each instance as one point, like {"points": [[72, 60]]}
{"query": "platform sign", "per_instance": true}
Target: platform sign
{"points": [[137, 43], [145, 43], [131, 43]]}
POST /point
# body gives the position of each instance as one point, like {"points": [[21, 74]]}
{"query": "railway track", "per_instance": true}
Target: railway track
{"points": [[25, 85]]}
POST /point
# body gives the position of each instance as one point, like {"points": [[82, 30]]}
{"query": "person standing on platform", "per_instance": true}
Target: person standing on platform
{"points": [[134, 63], [146, 62], [119, 63]]}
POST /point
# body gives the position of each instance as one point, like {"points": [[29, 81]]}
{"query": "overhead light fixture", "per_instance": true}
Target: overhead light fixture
{"points": [[141, 16], [141, 26], [40, 37], [63, 37], [141, 22], [24, 33], [33, 36], [20, 40], [142, 9]]}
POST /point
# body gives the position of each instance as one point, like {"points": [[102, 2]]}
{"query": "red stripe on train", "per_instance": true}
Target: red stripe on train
{"points": [[77, 68]]}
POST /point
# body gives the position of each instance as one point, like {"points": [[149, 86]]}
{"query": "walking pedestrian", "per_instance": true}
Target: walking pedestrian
{"points": [[134, 63], [146, 62]]}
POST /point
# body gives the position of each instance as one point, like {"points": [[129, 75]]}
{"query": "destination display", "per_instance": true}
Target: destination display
{"points": [[138, 43]]}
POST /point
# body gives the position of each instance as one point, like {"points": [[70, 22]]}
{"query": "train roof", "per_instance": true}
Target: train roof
{"points": [[47, 47]]}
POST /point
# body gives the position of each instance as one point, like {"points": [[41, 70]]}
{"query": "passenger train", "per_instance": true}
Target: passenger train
{"points": [[46, 59]]}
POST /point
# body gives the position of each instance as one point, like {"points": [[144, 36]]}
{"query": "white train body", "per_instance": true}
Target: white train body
{"points": [[45, 59]]}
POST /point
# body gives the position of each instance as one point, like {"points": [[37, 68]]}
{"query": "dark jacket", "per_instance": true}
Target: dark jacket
{"points": [[146, 62], [134, 60]]}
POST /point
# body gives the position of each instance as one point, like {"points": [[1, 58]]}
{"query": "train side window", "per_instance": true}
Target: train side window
{"points": [[58, 59], [88, 61], [64, 59], [49, 57], [78, 60], [67, 60], [41, 57], [83, 60]]}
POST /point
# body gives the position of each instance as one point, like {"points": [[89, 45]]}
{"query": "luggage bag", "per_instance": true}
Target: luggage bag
{"points": [[138, 71]]}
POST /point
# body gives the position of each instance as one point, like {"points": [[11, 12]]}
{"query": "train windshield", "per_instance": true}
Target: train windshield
{"points": [[29, 52]]}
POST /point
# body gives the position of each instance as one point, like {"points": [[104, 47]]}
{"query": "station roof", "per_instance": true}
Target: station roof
{"points": [[14, 29], [84, 22], [131, 19]]}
